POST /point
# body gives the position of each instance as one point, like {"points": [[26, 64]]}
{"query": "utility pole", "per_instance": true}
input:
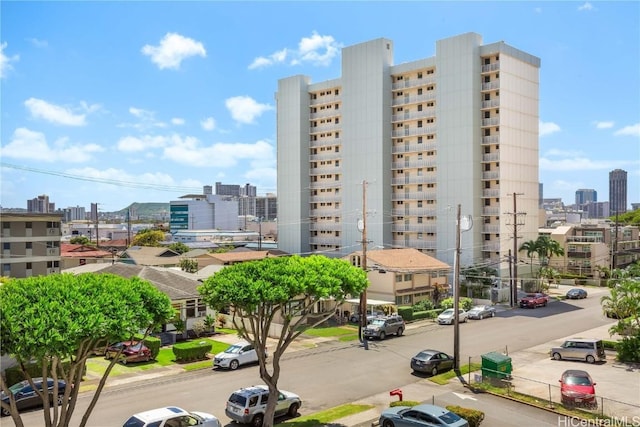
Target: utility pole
{"points": [[362, 225], [456, 296], [514, 259]]}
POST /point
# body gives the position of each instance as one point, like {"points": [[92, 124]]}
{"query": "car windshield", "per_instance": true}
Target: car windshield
{"points": [[134, 422], [577, 381], [477, 308], [448, 312], [234, 349], [17, 387], [449, 418], [377, 322], [136, 347]]}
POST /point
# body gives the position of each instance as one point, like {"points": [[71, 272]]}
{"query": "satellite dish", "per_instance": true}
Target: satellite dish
{"points": [[466, 222], [361, 225]]}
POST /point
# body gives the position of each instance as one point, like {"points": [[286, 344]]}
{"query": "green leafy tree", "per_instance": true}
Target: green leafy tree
{"points": [[62, 318], [179, 247], [148, 237], [623, 303], [482, 275], [189, 265], [281, 290], [80, 240]]}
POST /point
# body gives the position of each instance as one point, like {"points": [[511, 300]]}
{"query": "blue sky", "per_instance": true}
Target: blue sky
{"points": [[121, 102]]}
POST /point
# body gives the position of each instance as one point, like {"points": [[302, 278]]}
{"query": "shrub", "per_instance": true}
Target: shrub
{"points": [[190, 351], [629, 349], [473, 416], [152, 344], [465, 303], [222, 320], [406, 312], [424, 305]]}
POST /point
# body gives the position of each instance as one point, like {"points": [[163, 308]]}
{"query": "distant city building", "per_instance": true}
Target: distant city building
{"points": [[30, 244], [635, 206], [618, 191], [74, 214], [41, 204], [584, 196], [235, 190], [204, 212], [597, 210]]}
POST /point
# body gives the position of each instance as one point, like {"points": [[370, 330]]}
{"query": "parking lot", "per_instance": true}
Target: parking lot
{"points": [[617, 384]]}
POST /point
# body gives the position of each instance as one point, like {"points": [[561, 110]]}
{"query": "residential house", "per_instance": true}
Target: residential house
{"points": [[403, 276], [151, 256], [74, 255]]}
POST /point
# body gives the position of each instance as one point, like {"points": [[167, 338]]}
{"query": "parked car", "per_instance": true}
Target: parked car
{"points": [[587, 350], [420, 415], [446, 317], [172, 416], [132, 351], [240, 353], [355, 317], [534, 300], [578, 389], [576, 293], [248, 405], [481, 311], [27, 397], [381, 327], [432, 362]]}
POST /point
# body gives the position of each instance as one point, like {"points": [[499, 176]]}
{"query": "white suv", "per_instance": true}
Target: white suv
{"points": [[171, 416], [248, 405], [240, 353]]}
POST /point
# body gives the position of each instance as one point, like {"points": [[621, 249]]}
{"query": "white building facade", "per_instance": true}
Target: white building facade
{"points": [[458, 128]]}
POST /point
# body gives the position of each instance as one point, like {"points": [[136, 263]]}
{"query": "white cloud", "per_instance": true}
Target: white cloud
{"points": [[208, 124], [134, 144], [5, 61], [173, 49], [632, 130], [315, 50], [147, 120], [38, 43], [547, 128], [31, 145], [275, 58], [189, 151], [57, 114], [586, 6], [579, 164], [178, 121], [604, 125], [245, 109]]}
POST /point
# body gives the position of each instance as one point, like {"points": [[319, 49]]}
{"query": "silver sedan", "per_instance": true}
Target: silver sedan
{"points": [[481, 311]]}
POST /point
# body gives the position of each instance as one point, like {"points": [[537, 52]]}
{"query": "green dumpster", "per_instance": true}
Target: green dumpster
{"points": [[496, 365]]}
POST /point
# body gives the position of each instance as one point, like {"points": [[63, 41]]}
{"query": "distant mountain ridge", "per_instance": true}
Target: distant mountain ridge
{"points": [[147, 210]]}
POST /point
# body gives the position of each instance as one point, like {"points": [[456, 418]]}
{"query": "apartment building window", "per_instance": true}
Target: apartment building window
{"points": [[419, 187], [419, 140], [6, 225], [28, 225], [29, 267], [420, 91], [419, 236], [487, 61], [487, 79], [419, 75], [419, 107], [6, 269], [419, 203], [29, 245], [419, 172], [419, 123], [398, 277], [6, 246], [419, 220], [407, 277]]}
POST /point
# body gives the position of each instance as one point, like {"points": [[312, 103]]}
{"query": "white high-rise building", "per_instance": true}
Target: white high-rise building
{"points": [[458, 128]]}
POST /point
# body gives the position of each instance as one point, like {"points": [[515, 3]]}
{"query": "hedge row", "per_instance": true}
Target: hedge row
{"points": [[14, 374], [190, 351], [408, 314]]}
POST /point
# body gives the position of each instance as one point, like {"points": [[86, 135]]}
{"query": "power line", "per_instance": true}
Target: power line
{"points": [[119, 183]]}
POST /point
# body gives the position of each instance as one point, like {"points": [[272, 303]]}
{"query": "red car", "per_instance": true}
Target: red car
{"points": [[578, 389], [534, 300], [132, 351]]}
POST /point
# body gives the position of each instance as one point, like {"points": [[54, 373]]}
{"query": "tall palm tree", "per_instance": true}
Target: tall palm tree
{"points": [[531, 247], [546, 248]]}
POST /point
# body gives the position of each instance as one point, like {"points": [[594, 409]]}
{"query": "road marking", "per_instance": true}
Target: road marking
{"points": [[464, 396]]}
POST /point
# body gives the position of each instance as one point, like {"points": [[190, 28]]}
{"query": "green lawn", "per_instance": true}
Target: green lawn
{"points": [[327, 416], [342, 333]]}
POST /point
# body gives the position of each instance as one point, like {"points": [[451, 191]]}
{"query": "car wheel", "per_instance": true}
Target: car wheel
{"points": [[5, 412], [464, 320], [123, 361], [387, 423], [234, 365], [591, 359], [493, 314], [293, 409], [400, 332], [257, 420], [545, 304], [480, 317], [434, 371], [382, 335], [60, 399], [556, 356]]}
